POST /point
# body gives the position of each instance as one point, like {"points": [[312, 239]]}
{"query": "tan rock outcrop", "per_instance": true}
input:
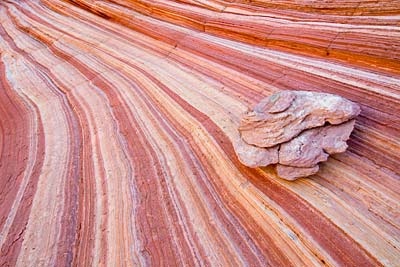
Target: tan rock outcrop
{"points": [[297, 130]]}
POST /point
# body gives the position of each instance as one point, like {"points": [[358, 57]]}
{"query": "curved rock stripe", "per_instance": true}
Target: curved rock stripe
{"points": [[119, 118]]}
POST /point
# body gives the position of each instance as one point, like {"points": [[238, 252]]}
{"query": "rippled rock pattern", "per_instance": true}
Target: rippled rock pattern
{"points": [[297, 130], [118, 122]]}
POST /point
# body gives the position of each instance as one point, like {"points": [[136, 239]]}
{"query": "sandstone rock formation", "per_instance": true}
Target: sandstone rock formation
{"points": [[118, 121], [297, 130]]}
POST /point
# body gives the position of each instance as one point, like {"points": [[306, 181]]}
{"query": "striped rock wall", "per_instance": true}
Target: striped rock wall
{"points": [[118, 120]]}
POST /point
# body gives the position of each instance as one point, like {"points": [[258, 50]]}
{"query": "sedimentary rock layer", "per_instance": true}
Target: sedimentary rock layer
{"points": [[118, 121]]}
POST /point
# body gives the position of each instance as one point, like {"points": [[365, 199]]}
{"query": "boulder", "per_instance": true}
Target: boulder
{"points": [[295, 130], [284, 115]]}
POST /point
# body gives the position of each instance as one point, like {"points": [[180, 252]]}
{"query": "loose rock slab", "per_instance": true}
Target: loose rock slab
{"points": [[296, 130]]}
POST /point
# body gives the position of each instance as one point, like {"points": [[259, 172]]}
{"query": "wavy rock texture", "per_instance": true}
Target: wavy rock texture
{"points": [[118, 121]]}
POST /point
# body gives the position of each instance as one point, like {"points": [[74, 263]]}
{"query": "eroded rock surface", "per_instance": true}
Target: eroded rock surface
{"points": [[117, 119], [297, 130], [284, 115], [314, 145], [253, 156]]}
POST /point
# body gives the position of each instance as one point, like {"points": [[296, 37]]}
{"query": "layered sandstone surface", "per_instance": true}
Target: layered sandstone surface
{"points": [[118, 121]]}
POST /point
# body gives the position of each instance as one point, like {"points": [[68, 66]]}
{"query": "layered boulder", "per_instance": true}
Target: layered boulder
{"points": [[295, 130]]}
